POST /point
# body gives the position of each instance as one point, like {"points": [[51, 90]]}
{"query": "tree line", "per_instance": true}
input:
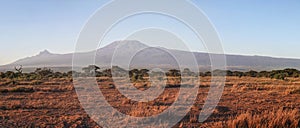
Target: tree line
{"points": [[139, 74]]}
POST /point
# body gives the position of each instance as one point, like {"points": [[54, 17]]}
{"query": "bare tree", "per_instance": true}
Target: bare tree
{"points": [[19, 69]]}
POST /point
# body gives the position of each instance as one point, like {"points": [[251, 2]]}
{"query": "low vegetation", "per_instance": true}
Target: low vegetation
{"points": [[45, 98], [18, 89], [13, 77]]}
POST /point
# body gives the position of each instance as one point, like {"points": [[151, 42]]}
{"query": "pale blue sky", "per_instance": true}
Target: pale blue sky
{"points": [[247, 27]]}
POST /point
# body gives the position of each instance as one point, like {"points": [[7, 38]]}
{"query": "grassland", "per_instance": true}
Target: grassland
{"points": [[246, 102]]}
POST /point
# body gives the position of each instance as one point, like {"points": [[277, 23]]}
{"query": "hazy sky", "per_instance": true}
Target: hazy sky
{"points": [[256, 27]]}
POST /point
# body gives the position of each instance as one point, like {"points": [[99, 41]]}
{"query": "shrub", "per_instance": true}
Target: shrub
{"points": [[279, 76], [22, 89], [2, 75], [7, 82], [35, 82]]}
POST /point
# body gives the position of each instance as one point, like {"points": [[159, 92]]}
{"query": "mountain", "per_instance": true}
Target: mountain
{"points": [[137, 54]]}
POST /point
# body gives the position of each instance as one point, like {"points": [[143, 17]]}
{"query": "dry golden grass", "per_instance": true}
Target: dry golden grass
{"points": [[267, 119], [246, 102]]}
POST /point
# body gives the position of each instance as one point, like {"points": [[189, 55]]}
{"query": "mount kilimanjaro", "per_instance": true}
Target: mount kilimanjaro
{"points": [[146, 56]]}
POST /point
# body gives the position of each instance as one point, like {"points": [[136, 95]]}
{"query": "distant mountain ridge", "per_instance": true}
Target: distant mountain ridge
{"points": [[149, 57]]}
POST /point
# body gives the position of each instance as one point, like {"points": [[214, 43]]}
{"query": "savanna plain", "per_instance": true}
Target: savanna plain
{"points": [[253, 102]]}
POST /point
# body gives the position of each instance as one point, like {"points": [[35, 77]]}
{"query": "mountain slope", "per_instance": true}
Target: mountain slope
{"points": [[137, 54]]}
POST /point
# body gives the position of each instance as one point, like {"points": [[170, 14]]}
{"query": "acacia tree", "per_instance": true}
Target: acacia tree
{"points": [[2, 75], [237, 73], [291, 72], [136, 74], [251, 73], [208, 73], [264, 74], [187, 72], [44, 72], [280, 76], [107, 73], [144, 72], [173, 72], [19, 69], [18, 74], [91, 70]]}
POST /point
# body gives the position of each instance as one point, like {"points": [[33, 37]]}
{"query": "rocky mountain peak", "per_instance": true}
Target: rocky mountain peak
{"points": [[45, 52]]}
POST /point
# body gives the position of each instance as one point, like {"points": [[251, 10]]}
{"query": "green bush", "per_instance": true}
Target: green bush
{"points": [[280, 76]]}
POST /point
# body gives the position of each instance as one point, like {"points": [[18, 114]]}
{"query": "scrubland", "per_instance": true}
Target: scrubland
{"points": [[246, 102]]}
